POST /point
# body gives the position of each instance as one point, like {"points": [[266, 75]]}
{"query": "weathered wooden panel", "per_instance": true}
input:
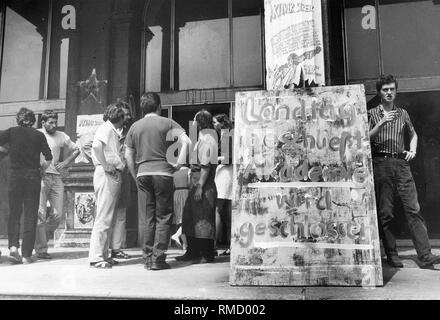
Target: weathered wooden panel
{"points": [[304, 207]]}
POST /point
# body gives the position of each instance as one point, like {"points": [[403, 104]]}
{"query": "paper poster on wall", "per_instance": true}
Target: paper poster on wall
{"points": [[84, 210], [304, 208], [86, 126], [294, 45]]}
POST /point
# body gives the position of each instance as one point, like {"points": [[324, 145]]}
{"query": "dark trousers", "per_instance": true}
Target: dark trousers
{"points": [[392, 177], [159, 214], [24, 196]]}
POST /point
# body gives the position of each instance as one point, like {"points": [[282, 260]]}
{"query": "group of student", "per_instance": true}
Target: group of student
{"points": [[189, 203]]}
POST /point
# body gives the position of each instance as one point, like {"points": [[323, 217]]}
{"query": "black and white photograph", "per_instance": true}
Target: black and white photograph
{"points": [[237, 152]]}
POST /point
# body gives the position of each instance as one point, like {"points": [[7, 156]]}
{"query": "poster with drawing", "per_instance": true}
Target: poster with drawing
{"points": [[84, 210], [86, 126], [304, 208], [294, 45]]}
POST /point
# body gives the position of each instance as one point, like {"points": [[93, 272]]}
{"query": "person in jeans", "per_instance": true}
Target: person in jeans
{"points": [[107, 184], [52, 187], [25, 146], [147, 143], [392, 173]]}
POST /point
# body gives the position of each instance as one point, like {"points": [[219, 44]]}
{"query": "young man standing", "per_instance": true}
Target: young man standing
{"points": [[107, 180], [25, 146], [118, 234], [146, 147], [52, 187], [392, 173]]}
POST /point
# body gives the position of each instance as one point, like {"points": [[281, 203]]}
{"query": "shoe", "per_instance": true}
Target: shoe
{"points": [[101, 265], [428, 262], [204, 260], [160, 266], [394, 261], [119, 254], [186, 257], [14, 256], [148, 263], [27, 260], [44, 256]]}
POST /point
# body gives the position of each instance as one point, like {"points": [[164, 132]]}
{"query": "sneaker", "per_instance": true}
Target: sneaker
{"points": [[27, 260], [14, 256], [394, 261], [119, 254], [428, 262], [44, 256]]}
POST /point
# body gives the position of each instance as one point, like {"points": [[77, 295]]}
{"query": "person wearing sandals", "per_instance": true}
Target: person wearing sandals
{"points": [[118, 234], [107, 180], [146, 146], [181, 191], [25, 145], [198, 221], [223, 179]]}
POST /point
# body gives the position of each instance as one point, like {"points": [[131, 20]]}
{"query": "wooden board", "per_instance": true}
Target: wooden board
{"points": [[304, 210]]}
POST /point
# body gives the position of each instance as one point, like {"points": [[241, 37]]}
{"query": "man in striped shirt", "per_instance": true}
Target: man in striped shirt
{"points": [[392, 173]]}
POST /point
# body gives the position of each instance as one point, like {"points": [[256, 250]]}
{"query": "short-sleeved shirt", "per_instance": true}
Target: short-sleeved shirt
{"points": [[207, 152], [25, 146], [56, 142], [109, 136], [148, 138], [390, 138]]}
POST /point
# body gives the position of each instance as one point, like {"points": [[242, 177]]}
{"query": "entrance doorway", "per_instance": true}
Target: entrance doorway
{"points": [[184, 114]]}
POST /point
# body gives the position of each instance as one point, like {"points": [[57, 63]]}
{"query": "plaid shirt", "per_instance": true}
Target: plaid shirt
{"points": [[390, 138]]}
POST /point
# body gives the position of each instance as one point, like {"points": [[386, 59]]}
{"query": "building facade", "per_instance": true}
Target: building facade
{"points": [[198, 54]]}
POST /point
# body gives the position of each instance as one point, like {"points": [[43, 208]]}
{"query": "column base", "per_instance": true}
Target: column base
{"points": [[72, 238]]}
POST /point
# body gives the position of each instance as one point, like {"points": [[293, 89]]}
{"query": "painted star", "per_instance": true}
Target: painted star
{"points": [[92, 85]]}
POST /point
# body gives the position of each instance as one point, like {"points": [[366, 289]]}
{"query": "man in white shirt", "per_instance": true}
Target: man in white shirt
{"points": [[52, 187], [107, 181]]}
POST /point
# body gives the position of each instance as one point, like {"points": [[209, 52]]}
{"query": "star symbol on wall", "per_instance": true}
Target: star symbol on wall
{"points": [[92, 86]]}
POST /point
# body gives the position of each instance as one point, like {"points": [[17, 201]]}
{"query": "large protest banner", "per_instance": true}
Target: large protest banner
{"points": [[304, 204], [294, 46]]}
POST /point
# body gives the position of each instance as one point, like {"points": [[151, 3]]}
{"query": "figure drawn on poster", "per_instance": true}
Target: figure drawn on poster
{"points": [[286, 74]]}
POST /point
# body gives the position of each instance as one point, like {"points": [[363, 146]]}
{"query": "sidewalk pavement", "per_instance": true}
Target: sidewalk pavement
{"points": [[68, 276]]}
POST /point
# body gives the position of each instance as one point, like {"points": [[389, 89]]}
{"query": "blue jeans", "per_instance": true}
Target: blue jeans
{"points": [[52, 190], [392, 177], [24, 195], [159, 214]]}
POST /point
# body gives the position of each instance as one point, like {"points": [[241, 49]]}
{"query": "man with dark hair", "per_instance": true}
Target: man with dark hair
{"points": [[146, 148], [392, 173], [118, 234], [25, 146], [107, 184], [52, 187]]}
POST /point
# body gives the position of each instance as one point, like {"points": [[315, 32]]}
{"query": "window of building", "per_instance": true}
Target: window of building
{"points": [[202, 44], [34, 51], [392, 36]]}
